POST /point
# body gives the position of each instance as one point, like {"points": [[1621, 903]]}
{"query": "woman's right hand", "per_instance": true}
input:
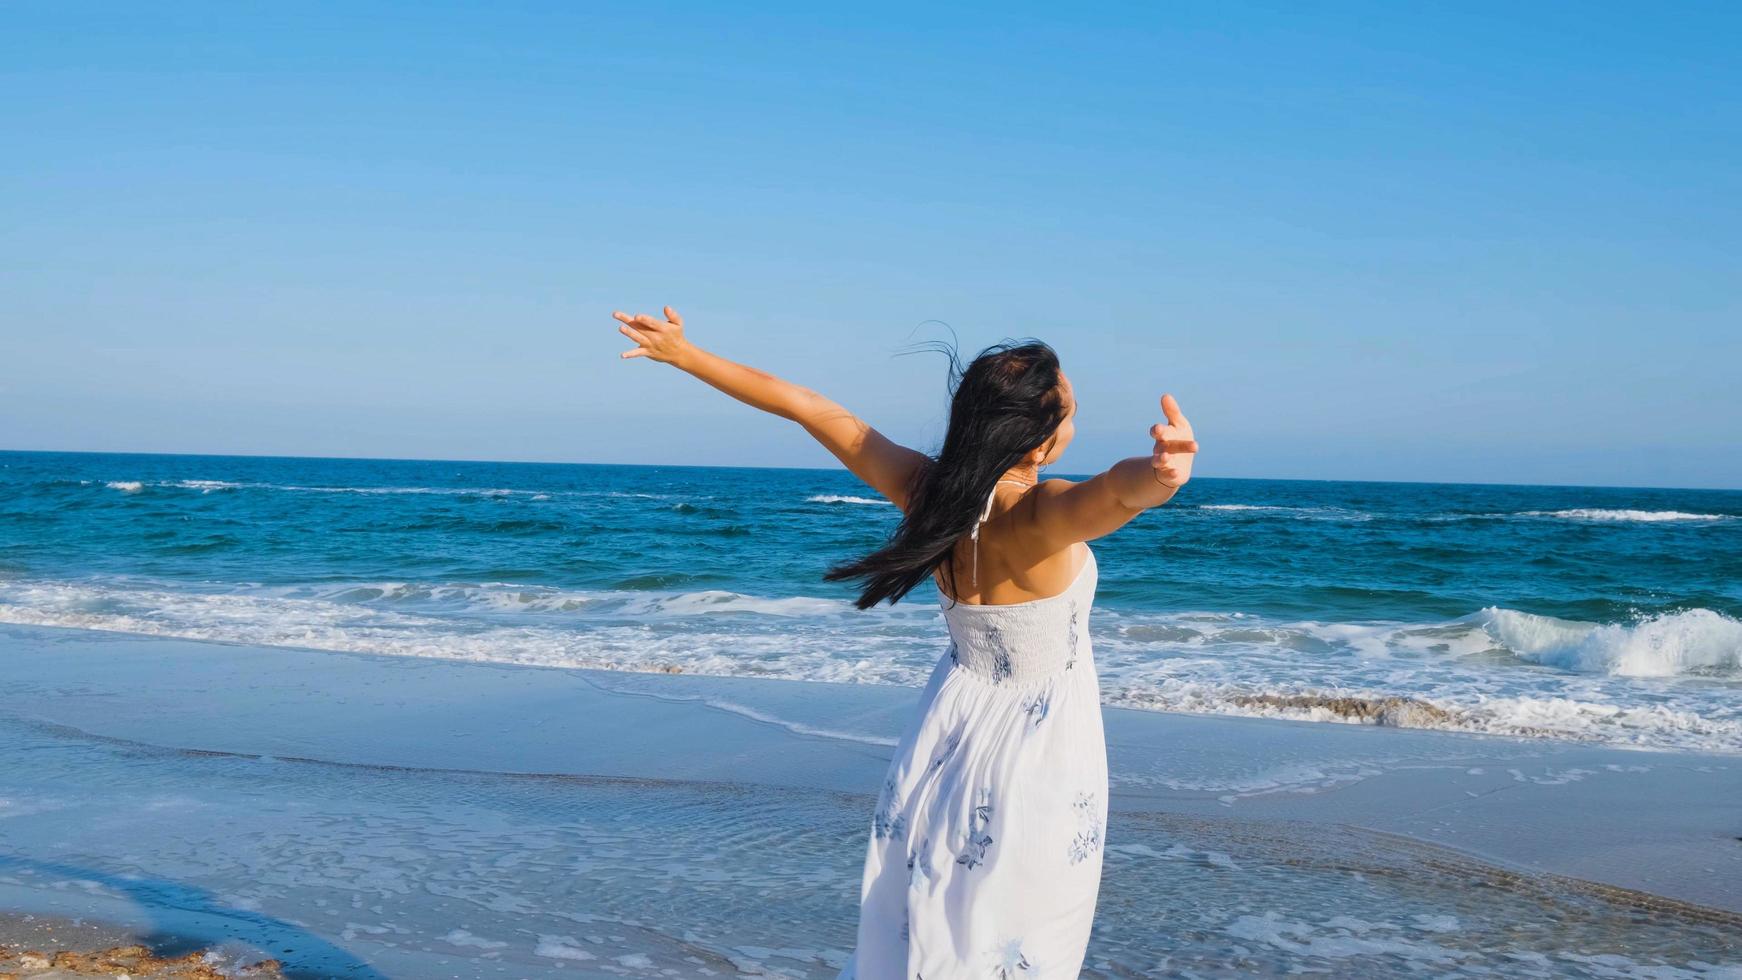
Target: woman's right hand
{"points": [[1175, 446], [662, 340]]}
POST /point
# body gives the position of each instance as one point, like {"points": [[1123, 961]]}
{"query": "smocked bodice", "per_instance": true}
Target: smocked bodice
{"points": [[1023, 641]]}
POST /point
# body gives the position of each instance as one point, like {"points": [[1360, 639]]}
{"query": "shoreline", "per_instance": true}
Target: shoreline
{"points": [[1626, 834], [1568, 719]]}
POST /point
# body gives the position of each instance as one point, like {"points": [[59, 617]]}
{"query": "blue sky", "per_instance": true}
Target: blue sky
{"points": [[1467, 242]]}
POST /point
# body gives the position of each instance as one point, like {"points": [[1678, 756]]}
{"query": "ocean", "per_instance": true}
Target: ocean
{"points": [[1591, 614]]}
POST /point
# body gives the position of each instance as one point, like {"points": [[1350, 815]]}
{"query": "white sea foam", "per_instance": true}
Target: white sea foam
{"points": [[1497, 672], [205, 486], [837, 498], [1454, 675], [1694, 641], [1299, 513], [717, 601], [1636, 516], [631, 631], [439, 491], [1300, 939], [1239, 507], [1582, 514], [561, 948], [209, 486], [1650, 726], [1665, 645], [460, 937], [516, 599]]}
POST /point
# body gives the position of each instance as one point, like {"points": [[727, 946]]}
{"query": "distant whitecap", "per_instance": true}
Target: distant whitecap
{"points": [[1639, 516]]}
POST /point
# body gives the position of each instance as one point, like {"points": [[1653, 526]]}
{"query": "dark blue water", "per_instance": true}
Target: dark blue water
{"points": [[1551, 611]]}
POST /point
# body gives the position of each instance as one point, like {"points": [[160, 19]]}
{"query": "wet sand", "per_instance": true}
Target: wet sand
{"points": [[49, 948]]}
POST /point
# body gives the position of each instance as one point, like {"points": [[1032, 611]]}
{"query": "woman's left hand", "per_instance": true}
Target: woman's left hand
{"points": [[662, 340], [1175, 446]]}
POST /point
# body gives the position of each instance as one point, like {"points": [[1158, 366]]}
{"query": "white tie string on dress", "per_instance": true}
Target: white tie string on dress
{"points": [[986, 512]]}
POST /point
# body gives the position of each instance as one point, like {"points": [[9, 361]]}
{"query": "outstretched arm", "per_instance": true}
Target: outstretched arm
{"points": [[1067, 512], [885, 466]]}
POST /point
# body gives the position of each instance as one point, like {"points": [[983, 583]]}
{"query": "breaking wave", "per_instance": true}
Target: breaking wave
{"points": [[1633, 516], [1305, 513], [837, 498], [1694, 641]]}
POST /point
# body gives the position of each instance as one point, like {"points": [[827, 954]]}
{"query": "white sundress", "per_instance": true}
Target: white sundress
{"points": [[985, 850]]}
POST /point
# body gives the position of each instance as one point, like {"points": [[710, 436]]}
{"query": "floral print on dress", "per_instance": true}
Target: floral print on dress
{"points": [[1071, 657], [888, 823], [1088, 838], [1001, 668], [1036, 708], [1008, 960], [943, 756], [979, 820]]}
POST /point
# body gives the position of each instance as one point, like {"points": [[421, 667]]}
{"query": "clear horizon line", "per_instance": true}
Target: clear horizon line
{"points": [[830, 469]]}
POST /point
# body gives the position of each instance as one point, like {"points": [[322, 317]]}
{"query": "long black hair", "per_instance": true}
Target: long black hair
{"points": [[1004, 405]]}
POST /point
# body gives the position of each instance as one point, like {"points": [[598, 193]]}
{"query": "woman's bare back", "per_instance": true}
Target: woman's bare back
{"points": [[1015, 563]]}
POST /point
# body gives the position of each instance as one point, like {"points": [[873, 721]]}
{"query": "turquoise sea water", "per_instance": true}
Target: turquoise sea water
{"points": [[1573, 613]]}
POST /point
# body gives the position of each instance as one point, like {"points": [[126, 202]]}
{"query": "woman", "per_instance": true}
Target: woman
{"points": [[985, 848]]}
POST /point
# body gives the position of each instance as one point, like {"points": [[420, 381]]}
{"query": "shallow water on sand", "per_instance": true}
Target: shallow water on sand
{"points": [[354, 870]]}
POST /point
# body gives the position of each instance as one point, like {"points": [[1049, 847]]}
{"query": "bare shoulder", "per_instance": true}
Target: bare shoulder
{"points": [[1052, 487], [1043, 503], [1068, 511], [1046, 497], [1054, 494]]}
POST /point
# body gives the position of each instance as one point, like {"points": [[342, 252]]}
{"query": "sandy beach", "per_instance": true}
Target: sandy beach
{"points": [[355, 815]]}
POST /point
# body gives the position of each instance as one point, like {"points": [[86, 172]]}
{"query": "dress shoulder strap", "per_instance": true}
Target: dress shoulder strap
{"points": [[986, 512]]}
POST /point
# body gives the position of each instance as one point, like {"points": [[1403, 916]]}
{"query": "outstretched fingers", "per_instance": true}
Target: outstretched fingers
{"points": [[1170, 408], [657, 338], [631, 327], [645, 322], [1168, 439], [1176, 435], [640, 348], [1175, 446]]}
